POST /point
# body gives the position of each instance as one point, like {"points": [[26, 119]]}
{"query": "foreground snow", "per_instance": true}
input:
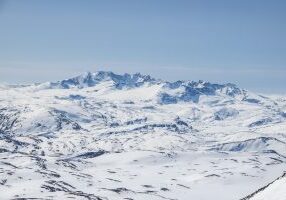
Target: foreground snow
{"points": [[106, 136], [274, 190]]}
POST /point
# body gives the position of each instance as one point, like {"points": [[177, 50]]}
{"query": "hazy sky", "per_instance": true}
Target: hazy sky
{"points": [[239, 41]]}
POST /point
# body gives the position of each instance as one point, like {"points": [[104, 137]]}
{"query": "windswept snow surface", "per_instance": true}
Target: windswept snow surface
{"points": [[274, 190], [107, 136]]}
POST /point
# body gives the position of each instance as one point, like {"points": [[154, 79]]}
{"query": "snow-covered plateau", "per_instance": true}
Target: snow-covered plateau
{"points": [[103, 136]]}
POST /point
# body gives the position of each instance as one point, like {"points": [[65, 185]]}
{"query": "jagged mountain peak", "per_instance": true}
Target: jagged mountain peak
{"points": [[168, 93], [89, 79], [206, 87], [126, 80]]}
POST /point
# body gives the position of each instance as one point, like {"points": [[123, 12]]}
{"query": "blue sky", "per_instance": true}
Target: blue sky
{"points": [[239, 41]]}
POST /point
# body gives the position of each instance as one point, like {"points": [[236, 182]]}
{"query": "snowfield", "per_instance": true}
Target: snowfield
{"points": [[107, 136], [274, 190]]}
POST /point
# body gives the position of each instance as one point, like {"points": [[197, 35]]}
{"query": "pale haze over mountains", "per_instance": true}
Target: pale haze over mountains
{"points": [[241, 42]]}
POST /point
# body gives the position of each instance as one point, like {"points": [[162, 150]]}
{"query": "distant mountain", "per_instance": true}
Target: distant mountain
{"points": [[171, 92], [89, 79]]}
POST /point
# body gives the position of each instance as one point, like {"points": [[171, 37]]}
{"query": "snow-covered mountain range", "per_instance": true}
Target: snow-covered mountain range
{"points": [[107, 136]]}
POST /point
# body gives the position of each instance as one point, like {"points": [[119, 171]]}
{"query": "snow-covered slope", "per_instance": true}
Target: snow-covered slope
{"points": [[107, 136], [275, 190]]}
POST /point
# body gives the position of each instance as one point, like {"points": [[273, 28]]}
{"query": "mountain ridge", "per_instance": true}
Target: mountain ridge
{"points": [[89, 79], [171, 92]]}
